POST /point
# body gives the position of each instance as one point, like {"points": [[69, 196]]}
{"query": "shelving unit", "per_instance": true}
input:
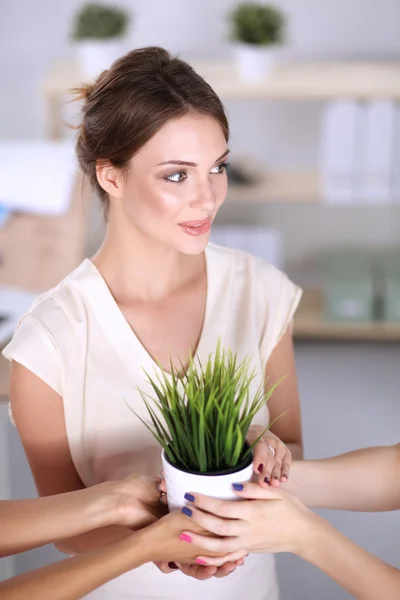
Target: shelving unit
{"points": [[310, 81], [278, 186], [310, 325]]}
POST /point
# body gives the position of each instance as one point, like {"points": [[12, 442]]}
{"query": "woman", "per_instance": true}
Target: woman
{"points": [[364, 480], [153, 142], [133, 502]]}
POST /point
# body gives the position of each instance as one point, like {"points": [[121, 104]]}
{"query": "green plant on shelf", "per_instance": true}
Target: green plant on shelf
{"points": [[257, 24], [100, 22], [201, 415]]}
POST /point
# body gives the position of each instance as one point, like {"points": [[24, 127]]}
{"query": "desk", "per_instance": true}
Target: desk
{"points": [[37, 252]]}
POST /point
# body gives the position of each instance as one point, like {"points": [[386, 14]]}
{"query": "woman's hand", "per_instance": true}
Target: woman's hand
{"points": [[277, 522], [136, 499], [164, 544], [272, 459]]}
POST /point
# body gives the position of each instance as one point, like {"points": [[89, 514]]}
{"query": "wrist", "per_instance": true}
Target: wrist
{"points": [[316, 538], [104, 505]]}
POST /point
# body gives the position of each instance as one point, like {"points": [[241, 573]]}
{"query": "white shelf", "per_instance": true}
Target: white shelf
{"points": [[316, 80], [280, 186], [309, 324], [309, 80]]}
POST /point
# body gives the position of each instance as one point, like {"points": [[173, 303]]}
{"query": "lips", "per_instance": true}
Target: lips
{"points": [[195, 228]]}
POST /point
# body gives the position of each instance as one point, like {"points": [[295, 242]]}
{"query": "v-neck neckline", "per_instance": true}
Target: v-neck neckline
{"points": [[123, 336]]}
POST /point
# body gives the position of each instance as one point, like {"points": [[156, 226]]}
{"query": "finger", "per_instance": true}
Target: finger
{"points": [[286, 464], [212, 544], [200, 572], [166, 567], [236, 558], [225, 570], [162, 486], [276, 473], [220, 508], [213, 524], [260, 457], [271, 446], [252, 491]]}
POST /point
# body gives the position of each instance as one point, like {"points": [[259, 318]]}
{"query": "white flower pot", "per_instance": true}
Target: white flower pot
{"points": [[180, 482], [254, 63], [95, 56]]}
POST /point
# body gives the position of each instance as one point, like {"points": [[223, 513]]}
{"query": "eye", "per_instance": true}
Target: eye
{"points": [[176, 177], [219, 169]]}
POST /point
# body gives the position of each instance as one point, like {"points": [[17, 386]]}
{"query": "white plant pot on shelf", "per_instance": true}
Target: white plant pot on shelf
{"points": [[254, 63], [180, 482], [96, 56]]}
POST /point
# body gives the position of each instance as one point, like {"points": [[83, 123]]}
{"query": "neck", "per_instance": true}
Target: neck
{"points": [[135, 266]]}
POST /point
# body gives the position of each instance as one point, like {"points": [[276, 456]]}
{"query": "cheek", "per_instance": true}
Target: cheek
{"points": [[149, 199], [220, 189]]}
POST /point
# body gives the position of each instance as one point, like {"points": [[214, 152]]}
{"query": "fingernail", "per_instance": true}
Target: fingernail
{"points": [[260, 468], [238, 487], [186, 511], [189, 497], [284, 477], [199, 561], [267, 480], [185, 538], [172, 565]]}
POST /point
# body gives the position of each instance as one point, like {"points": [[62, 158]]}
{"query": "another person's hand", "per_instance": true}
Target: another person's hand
{"points": [[135, 500], [277, 522], [271, 458], [167, 548]]}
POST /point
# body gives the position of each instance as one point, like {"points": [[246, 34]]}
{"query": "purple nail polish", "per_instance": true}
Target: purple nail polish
{"points": [[186, 511], [172, 565], [267, 480], [260, 468], [238, 487], [189, 497]]}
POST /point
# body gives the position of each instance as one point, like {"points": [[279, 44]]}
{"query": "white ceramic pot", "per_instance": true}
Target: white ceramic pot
{"points": [[254, 63], [95, 56], [217, 486]]}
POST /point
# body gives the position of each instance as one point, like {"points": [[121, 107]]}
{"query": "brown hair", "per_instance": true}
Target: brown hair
{"points": [[131, 101]]}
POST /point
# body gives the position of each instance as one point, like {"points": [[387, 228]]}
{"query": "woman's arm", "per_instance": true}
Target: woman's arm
{"points": [[25, 524], [281, 364], [364, 480], [363, 575], [75, 577], [39, 416], [279, 522]]}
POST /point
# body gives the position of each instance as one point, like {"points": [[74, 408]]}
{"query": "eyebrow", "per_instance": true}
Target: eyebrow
{"points": [[186, 163]]}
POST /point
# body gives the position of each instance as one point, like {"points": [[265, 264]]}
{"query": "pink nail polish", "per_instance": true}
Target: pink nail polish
{"points": [[199, 561], [185, 538]]}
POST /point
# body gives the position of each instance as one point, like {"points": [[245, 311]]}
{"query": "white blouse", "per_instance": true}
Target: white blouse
{"points": [[76, 339]]}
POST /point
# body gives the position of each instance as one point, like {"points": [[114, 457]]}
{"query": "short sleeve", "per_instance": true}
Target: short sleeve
{"points": [[33, 347], [278, 299]]}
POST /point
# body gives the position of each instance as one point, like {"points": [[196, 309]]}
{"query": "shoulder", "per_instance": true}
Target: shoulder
{"points": [[57, 309], [266, 276]]}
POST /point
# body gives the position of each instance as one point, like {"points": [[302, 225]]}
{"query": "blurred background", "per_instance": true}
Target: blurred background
{"points": [[312, 91]]}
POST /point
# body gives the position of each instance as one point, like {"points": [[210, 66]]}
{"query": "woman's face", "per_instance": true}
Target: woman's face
{"points": [[177, 182]]}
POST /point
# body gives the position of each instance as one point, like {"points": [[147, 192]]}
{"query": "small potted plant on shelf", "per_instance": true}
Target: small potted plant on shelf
{"points": [[257, 30], [200, 417], [99, 32]]}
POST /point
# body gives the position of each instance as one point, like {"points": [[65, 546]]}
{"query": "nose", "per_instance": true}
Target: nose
{"points": [[205, 198]]}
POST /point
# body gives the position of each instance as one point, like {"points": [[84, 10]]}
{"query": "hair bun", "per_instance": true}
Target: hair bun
{"points": [[83, 92]]}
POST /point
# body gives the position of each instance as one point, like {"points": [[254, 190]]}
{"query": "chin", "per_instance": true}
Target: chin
{"points": [[194, 245]]}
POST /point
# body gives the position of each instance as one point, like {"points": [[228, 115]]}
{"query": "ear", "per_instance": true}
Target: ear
{"points": [[110, 178]]}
